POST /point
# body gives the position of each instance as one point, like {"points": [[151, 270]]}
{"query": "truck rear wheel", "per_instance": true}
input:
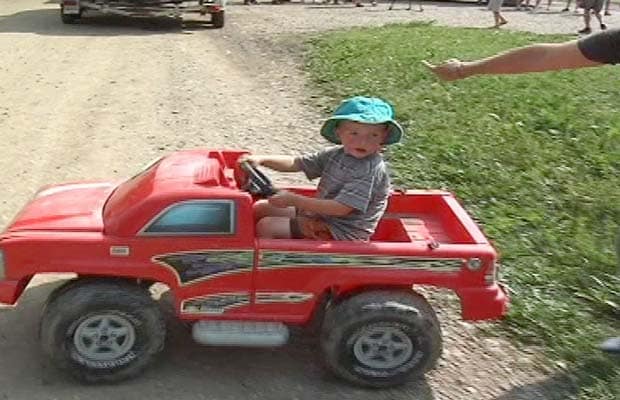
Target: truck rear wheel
{"points": [[102, 331], [217, 19], [381, 338]]}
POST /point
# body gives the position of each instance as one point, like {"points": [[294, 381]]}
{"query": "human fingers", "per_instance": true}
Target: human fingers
{"points": [[282, 199], [428, 65], [278, 200]]}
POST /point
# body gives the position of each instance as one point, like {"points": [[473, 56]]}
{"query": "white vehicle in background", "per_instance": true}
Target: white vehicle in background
{"points": [[72, 10]]}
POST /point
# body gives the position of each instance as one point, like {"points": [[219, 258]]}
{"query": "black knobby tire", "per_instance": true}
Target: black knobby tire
{"points": [[102, 331], [217, 19], [68, 18], [403, 322]]}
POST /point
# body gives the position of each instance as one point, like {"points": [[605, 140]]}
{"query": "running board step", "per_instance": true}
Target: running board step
{"points": [[240, 333]]}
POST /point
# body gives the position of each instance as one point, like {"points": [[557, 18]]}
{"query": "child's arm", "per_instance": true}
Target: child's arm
{"points": [[275, 162], [318, 206]]}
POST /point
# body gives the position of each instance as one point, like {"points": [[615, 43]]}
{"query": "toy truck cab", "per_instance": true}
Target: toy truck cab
{"points": [[186, 221]]}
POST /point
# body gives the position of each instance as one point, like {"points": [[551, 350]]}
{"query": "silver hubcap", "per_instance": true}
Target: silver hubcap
{"points": [[104, 337], [383, 347]]}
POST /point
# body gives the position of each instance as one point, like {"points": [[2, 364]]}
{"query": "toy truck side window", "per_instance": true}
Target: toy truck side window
{"points": [[194, 217]]}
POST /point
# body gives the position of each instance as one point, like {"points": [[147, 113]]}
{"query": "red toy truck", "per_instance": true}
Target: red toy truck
{"points": [[186, 221]]}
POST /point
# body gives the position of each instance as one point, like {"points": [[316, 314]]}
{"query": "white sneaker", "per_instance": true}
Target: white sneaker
{"points": [[611, 345]]}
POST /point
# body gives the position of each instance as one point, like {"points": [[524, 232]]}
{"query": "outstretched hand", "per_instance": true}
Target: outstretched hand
{"points": [[449, 70]]}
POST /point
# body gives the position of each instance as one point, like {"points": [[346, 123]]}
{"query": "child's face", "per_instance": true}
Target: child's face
{"points": [[361, 140]]}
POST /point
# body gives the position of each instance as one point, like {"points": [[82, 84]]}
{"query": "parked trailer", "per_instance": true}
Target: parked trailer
{"points": [[72, 10]]}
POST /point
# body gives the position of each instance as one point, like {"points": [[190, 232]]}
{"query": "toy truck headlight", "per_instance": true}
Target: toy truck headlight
{"points": [[2, 273], [474, 264], [490, 273]]}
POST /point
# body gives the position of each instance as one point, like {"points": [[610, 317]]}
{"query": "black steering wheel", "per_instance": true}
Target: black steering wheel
{"points": [[257, 182]]}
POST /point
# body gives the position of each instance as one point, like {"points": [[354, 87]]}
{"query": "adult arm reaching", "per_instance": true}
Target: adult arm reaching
{"points": [[594, 50]]}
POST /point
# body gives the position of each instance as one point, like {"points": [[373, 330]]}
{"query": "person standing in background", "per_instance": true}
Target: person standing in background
{"points": [[592, 7], [538, 3], [520, 4], [496, 7], [567, 8]]}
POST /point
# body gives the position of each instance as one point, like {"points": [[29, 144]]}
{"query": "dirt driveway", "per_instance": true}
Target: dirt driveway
{"points": [[100, 99]]}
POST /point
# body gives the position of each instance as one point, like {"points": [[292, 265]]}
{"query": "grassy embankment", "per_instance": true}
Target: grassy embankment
{"points": [[535, 158]]}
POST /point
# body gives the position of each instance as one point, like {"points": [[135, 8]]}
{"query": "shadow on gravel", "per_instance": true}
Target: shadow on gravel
{"points": [[565, 384], [47, 22], [184, 371], [557, 387]]}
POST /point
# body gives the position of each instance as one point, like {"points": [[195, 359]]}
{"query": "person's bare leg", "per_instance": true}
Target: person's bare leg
{"points": [[499, 19], [274, 228], [586, 21], [263, 209], [273, 222], [599, 17]]}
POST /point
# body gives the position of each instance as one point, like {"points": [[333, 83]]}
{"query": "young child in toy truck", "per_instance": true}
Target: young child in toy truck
{"points": [[354, 187]]}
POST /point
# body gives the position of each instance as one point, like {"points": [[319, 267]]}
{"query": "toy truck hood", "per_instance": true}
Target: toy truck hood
{"points": [[67, 207]]}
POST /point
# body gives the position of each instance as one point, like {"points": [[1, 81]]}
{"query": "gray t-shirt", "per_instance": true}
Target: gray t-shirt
{"points": [[603, 47], [362, 184]]}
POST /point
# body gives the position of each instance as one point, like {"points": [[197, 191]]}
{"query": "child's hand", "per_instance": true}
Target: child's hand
{"points": [[283, 199], [252, 159]]}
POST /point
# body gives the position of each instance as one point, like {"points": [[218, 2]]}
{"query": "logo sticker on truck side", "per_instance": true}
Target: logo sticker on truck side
{"points": [[282, 297], [215, 303], [219, 303], [282, 259], [191, 267]]}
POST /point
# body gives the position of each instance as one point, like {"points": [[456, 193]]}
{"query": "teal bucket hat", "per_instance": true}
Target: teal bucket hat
{"points": [[366, 110]]}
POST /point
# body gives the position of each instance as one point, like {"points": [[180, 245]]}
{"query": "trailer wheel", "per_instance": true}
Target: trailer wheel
{"points": [[102, 331], [381, 338], [217, 19], [68, 18]]}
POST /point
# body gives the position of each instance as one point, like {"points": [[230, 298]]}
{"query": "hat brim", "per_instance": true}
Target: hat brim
{"points": [[328, 130]]}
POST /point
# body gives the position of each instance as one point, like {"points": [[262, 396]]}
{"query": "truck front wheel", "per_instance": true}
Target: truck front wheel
{"points": [[102, 331], [217, 19], [381, 338]]}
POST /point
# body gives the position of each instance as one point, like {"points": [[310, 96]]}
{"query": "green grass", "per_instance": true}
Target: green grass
{"points": [[535, 158]]}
